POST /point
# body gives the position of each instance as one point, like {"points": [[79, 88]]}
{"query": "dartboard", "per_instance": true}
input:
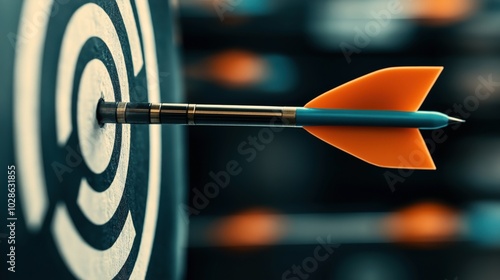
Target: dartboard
{"points": [[90, 201]]}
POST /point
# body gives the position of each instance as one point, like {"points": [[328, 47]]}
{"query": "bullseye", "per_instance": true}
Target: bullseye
{"points": [[96, 143]]}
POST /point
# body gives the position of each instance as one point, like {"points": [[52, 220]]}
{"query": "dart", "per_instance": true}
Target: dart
{"points": [[374, 117]]}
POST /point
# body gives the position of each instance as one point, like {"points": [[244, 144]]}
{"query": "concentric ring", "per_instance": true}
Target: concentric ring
{"points": [[102, 200]]}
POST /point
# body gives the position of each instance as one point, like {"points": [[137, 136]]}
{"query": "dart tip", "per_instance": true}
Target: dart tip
{"points": [[452, 120]]}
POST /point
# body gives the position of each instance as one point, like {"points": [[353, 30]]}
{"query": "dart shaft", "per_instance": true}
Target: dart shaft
{"points": [[195, 114], [239, 115]]}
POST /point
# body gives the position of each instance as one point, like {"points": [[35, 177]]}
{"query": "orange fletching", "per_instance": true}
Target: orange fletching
{"points": [[398, 89]]}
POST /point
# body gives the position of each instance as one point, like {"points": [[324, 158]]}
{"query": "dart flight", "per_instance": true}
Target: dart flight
{"points": [[374, 117]]}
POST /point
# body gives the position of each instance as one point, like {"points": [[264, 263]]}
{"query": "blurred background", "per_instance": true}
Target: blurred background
{"points": [[280, 204]]}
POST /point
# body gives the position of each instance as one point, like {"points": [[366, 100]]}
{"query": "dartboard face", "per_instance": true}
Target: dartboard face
{"points": [[93, 201]]}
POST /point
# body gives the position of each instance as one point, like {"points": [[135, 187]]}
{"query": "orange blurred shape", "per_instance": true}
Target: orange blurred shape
{"points": [[236, 68], [422, 223], [442, 11], [256, 227]]}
